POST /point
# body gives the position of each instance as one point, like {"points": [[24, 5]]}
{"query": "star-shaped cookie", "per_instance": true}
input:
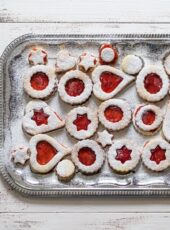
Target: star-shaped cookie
{"points": [[87, 62], [104, 138], [20, 155]]}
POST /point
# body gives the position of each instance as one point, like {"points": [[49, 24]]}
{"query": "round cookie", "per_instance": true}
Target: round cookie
{"points": [[132, 64], [65, 170], [107, 54]]}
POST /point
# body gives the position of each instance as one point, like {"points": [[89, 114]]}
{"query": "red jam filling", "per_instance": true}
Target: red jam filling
{"points": [[109, 81], [74, 87], [148, 117], [40, 117], [39, 81], [153, 83], [104, 47], [113, 113], [158, 154], [86, 156], [81, 122], [45, 152], [123, 154]]}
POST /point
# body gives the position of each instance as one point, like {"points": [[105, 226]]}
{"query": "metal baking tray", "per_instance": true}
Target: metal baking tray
{"points": [[13, 64]]}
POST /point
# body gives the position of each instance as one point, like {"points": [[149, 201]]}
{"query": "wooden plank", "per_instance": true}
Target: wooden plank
{"points": [[11, 201], [81, 221], [85, 11]]}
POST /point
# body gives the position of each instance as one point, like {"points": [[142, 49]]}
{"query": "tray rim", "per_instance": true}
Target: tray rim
{"points": [[114, 192]]}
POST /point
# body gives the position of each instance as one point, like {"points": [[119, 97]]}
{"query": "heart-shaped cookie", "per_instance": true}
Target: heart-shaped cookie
{"points": [[40, 118], [109, 81], [46, 152]]}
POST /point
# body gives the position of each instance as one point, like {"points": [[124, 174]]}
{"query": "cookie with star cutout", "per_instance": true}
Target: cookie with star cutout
{"points": [[81, 122], [40, 118], [123, 156]]}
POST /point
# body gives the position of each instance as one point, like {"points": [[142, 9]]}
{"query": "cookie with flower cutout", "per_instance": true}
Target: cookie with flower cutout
{"points": [[107, 54], [65, 61], [20, 155], [147, 119], [104, 138], [40, 81], [156, 155], [45, 152], [132, 64], [37, 56], [152, 83], [65, 170], [123, 156], [75, 87], [81, 122], [109, 81], [114, 114], [40, 118], [88, 156], [166, 123], [87, 62]]}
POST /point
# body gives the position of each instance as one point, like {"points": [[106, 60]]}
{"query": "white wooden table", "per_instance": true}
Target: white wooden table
{"points": [[74, 16]]}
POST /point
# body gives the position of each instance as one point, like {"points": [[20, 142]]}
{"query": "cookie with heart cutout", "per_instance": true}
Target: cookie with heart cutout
{"points": [[152, 83], [75, 87], [147, 119], [166, 123], [45, 152], [88, 156], [107, 54], [65, 170], [123, 156], [132, 64], [156, 155], [87, 62], [109, 81], [114, 114], [37, 56], [65, 61], [40, 81], [81, 122], [40, 118]]}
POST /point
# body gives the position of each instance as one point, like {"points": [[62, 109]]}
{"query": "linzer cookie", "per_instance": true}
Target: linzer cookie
{"points": [[88, 156], [65, 61], [123, 156], [152, 83], [81, 122], [37, 56], [46, 152], [166, 123], [147, 119], [75, 87], [132, 64], [107, 54], [40, 118], [109, 81], [156, 155], [114, 114], [40, 81]]}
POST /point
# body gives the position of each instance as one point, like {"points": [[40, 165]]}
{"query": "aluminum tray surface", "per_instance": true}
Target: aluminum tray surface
{"points": [[13, 64]]}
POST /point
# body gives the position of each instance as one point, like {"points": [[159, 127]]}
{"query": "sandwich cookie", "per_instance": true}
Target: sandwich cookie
{"points": [[114, 114], [123, 156], [75, 87], [88, 156], [46, 152], [147, 119], [81, 122], [40, 118], [156, 155], [152, 83], [109, 81], [37, 56], [107, 54], [40, 82]]}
